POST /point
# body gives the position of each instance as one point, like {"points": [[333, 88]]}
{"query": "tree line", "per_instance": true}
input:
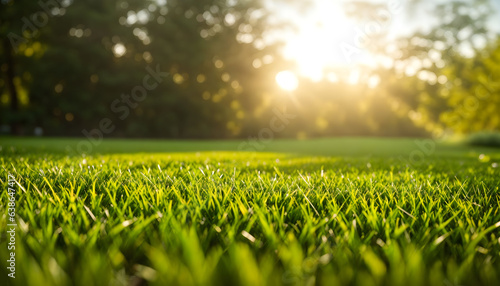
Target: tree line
{"points": [[205, 69]]}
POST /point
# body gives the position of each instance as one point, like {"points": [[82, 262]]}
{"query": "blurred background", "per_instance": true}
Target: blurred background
{"points": [[339, 68]]}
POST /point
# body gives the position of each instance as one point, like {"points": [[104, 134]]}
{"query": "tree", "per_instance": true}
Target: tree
{"points": [[445, 77], [91, 53], [17, 33]]}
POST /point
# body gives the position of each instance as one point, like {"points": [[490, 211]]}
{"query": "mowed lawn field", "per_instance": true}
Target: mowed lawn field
{"points": [[346, 211]]}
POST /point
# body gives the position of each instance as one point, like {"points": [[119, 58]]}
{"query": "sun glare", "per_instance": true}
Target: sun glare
{"points": [[287, 80], [316, 46]]}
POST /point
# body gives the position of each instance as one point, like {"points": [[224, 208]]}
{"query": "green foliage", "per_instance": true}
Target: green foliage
{"points": [[72, 75], [473, 95], [222, 65], [489, 139], [252, 219], [446, 79]]}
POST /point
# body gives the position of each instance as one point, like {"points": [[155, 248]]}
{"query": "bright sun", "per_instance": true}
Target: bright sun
{"points": [[287, 80], [316, 46]]}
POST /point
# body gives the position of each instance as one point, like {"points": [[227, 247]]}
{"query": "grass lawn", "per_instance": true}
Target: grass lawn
{"points": [[341, 211]]}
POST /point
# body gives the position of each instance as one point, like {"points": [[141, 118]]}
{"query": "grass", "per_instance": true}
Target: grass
{"points": [[326, 212], [354, 147]]}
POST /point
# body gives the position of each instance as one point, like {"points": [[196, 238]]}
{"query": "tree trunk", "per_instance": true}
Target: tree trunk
{"points": [[14, 101]]}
